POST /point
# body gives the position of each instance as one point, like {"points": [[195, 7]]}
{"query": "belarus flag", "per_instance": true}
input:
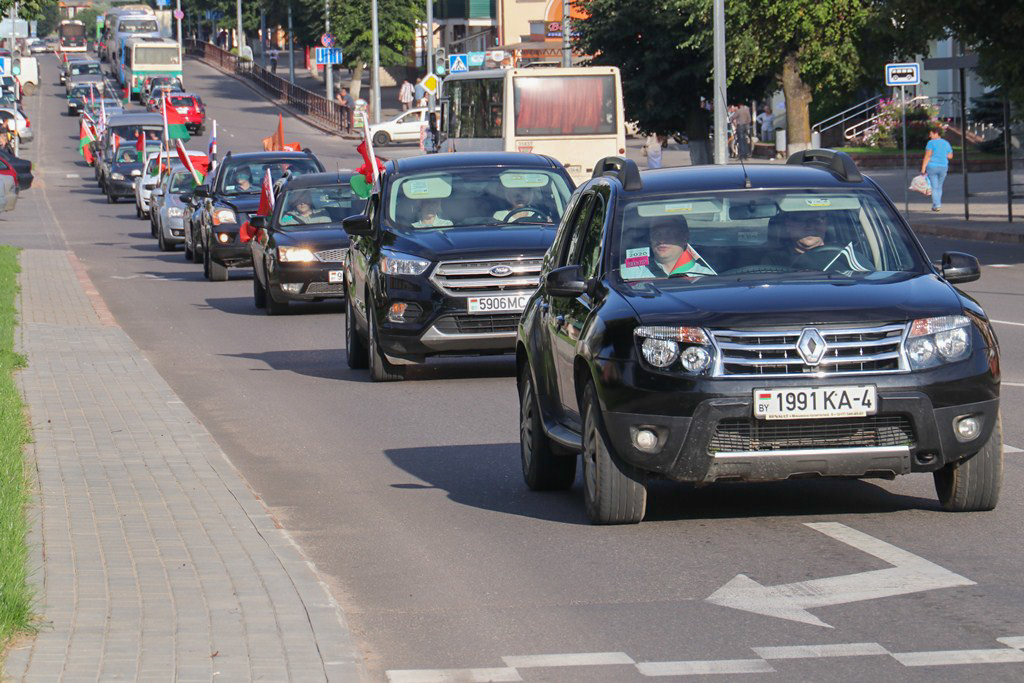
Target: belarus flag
{"points": [[266, 208], [198, 164], [174, 122]]}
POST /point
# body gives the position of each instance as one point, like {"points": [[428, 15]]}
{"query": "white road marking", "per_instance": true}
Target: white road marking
{"points": [[572, 659], [1012, 654], [1000, 265], [498, 675], [817, 651], [723, 666], [1006, 322], [1012, 449], [72, 175], [1013, 384], [950, 657], [909, 574]]}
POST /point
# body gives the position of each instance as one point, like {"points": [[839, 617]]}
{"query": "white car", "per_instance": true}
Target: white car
{"points": [[25, 133], [403, 128], [150, 178]]}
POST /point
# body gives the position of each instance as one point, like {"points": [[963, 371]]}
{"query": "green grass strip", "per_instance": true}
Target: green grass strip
{"points": [[15, 494]]}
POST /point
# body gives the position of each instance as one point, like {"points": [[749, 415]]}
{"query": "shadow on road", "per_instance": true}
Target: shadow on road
{"points": [[318, 363]]}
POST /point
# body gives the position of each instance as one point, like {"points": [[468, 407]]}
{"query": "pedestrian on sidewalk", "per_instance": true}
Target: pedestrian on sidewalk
{"points": [[347, 105], [273, 59], [764, 120], [405, 94], [652, 149], [937, 155], [743, 121], [420, 93]]}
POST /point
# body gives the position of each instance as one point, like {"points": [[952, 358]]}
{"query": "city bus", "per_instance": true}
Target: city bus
{"points": [[142, 56], [71, 36], [571, 114], [124, 24]]}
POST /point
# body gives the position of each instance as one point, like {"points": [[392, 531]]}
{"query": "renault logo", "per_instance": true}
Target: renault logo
{"points": [[501, 271], [811, 346]]}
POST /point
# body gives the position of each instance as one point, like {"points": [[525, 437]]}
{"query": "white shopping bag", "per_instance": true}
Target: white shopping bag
{"points": [[920, 184]]}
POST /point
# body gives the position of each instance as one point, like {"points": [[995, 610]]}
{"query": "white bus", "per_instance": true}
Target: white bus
{"points": [[147, 56], [123, 25], [571, 114], [71, 36]]}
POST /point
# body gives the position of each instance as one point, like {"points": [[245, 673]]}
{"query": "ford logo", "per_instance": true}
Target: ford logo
{"points": [[501, 271]]}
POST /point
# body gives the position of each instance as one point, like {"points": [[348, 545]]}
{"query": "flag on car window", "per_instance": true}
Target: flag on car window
{"points": [[85, 140]]}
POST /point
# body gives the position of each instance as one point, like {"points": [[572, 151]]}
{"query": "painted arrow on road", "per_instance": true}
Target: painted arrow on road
{"points": [[909, 574]]}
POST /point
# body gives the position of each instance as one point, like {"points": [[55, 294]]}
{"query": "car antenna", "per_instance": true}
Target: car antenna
{"points": [[746, 178]]}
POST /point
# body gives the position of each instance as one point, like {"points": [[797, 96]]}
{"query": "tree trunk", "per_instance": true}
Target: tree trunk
{"points": [[356, 84], [798, 106]]}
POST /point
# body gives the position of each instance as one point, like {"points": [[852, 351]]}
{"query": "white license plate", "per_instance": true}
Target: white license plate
{"points": [[182, 110], [811, 402], [497, 304], [335, 276]]}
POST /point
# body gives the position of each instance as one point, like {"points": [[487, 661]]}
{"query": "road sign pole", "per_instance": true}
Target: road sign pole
{"points": [[720, 104], [375, 76], [963, 143], [291, 48], [430, 48], [566, 43], [177, 17], [906, 180]]}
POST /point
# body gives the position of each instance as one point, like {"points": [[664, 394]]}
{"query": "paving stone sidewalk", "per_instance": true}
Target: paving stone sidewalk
{"points": [[157, 562]]}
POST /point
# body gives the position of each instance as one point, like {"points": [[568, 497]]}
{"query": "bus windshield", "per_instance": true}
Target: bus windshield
{"points": [[72, 30], [565, 105], [138, 26], [157, 55]]}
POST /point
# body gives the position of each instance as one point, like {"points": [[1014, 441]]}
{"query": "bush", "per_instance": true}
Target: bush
{"points": [[921, 116]]}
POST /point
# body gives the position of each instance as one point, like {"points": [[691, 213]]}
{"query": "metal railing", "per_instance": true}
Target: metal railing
{"points": [[305, 102], [868, 107]]}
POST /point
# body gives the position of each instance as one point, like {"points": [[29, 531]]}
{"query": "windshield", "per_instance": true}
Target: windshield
{"points": [[565, 105], [246, 177], [477, 196], [767, 233], [312, 207], [151, 131], [86, 90], [138, 26], [127, 155], [182, 182]]}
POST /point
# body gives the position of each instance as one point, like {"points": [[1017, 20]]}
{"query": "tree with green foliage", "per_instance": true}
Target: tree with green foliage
{"points": [[49, 18], [351, 26]]}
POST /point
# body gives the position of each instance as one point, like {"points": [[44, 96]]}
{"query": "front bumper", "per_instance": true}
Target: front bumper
{"points": [[306, 281], [707, 430], [173, 229], [121, 188], [233, 253]]}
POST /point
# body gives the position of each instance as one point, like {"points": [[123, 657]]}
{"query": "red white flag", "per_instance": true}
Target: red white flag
{"points": [[197, 164], [266, 195]]}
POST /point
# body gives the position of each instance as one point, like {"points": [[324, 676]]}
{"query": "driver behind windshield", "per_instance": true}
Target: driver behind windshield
{"points": [[523, 203], [243, 181], [669, 254], [803, 242]]}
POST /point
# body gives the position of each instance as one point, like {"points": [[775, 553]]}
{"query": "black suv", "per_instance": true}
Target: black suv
{"points": [[720, 324], [446, 256], [227, 199]]}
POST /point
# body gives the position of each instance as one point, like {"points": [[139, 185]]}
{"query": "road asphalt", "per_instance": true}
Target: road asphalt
{"points": [[407, 501]]}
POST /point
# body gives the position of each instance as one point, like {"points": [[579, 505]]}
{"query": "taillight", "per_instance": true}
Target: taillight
{"points": [[28, 122]]}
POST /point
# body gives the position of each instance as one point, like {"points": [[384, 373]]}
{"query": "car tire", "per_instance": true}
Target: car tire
{"points": [[197, 256], [152, 225], [273, 307], [188, 253], [614, 492], [355, 347], [138, 211], [380, 369], [214, 272], [259, 295], [71, 111], [380, 138], [543, 469], [162, 241], [973, 485], [111, 199]]}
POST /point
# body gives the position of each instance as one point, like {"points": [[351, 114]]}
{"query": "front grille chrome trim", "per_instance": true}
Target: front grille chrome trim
{"points": [[474, 277]]}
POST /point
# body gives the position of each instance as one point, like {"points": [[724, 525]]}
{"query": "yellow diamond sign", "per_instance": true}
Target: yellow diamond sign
{"points": [[431, 83]]}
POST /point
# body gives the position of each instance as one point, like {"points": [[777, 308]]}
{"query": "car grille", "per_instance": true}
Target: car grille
{"points": [[325, 288], [502, 323], [472, 278], [332, 255], [749, 434], [849, 350]]}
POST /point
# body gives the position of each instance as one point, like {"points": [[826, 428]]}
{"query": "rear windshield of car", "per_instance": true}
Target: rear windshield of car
{"points": [[311, 207], [475, 196], [181, 101], [254, 171], [183, 181], [86, 68], [769, 233]]}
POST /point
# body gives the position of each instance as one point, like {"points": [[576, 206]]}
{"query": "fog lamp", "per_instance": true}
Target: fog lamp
{"points": [[967, 428], [645, 439], [396, 313], [223, 237], [292, 287]]}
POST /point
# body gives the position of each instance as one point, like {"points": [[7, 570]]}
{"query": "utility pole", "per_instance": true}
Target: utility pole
{"points": [[241, 36], [178, 14], [566, 42], [291, 48], [375, 76], [263, 37], [430, 48], [329, 68], [719, 99]]}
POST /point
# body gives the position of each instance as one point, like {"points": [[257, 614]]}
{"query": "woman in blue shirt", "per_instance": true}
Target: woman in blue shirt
{"points": [[937, 155]]}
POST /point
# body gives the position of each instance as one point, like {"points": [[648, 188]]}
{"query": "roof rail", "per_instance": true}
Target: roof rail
{"points": [[839, 163], [625, 170]]}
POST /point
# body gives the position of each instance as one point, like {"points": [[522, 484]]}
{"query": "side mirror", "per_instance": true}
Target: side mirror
{"points": [[959, 267], [358, 226], [201, 192], [258, 222], [157, 192], [565, 281], [187, 197]]}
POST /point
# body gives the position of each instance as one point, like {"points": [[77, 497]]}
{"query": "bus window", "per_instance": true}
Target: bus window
{"points": [[565, 105], [475, 109]]}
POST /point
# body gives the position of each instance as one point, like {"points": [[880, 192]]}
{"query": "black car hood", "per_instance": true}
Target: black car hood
{"points": [[484, 242], [874, 298], [325, 238], [246, 203]]}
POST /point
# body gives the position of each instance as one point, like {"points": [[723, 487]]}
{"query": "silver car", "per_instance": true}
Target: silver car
{"points": [[166, 207]]}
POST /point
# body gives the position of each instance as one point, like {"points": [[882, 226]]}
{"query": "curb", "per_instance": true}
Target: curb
{"points": [[976, 234]]}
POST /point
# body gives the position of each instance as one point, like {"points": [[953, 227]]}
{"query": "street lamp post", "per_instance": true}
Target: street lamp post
{"points": [[429, 45], [177, 17], [721, 135], [566, 43], [375, 76], [329, 68], [241, 36], [291, 48]]}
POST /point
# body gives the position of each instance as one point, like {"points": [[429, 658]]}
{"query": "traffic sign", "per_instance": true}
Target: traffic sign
{"points": [[179, 15], [477, 58], [458, 64], [902, 74], [327, 40], [328, 55], [431, 83]]}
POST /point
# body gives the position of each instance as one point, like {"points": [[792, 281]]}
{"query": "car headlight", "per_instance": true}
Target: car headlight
{"points": [[174, 212], [136, 172], [295, 255], [117, 176], [397, 263], [222, 216], [935, 341], [685, 348]]}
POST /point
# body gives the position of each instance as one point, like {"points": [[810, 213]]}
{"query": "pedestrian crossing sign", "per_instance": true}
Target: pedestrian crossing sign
{"points": [[458, 64]]}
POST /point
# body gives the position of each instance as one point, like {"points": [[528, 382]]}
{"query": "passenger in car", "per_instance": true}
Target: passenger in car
{"points": [[669, 253], [428, 213]]}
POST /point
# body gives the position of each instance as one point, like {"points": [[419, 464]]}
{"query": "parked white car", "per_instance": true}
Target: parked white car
{"points": [[25, 133], [8, 193], [403, 128]]}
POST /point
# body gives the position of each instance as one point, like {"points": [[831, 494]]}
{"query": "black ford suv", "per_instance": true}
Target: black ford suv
{"points": [[446, 256], [715, 324], [227, 199]]}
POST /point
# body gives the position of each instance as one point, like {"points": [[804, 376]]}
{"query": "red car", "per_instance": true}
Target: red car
{"points": [[7, 169], [191, 107]]}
